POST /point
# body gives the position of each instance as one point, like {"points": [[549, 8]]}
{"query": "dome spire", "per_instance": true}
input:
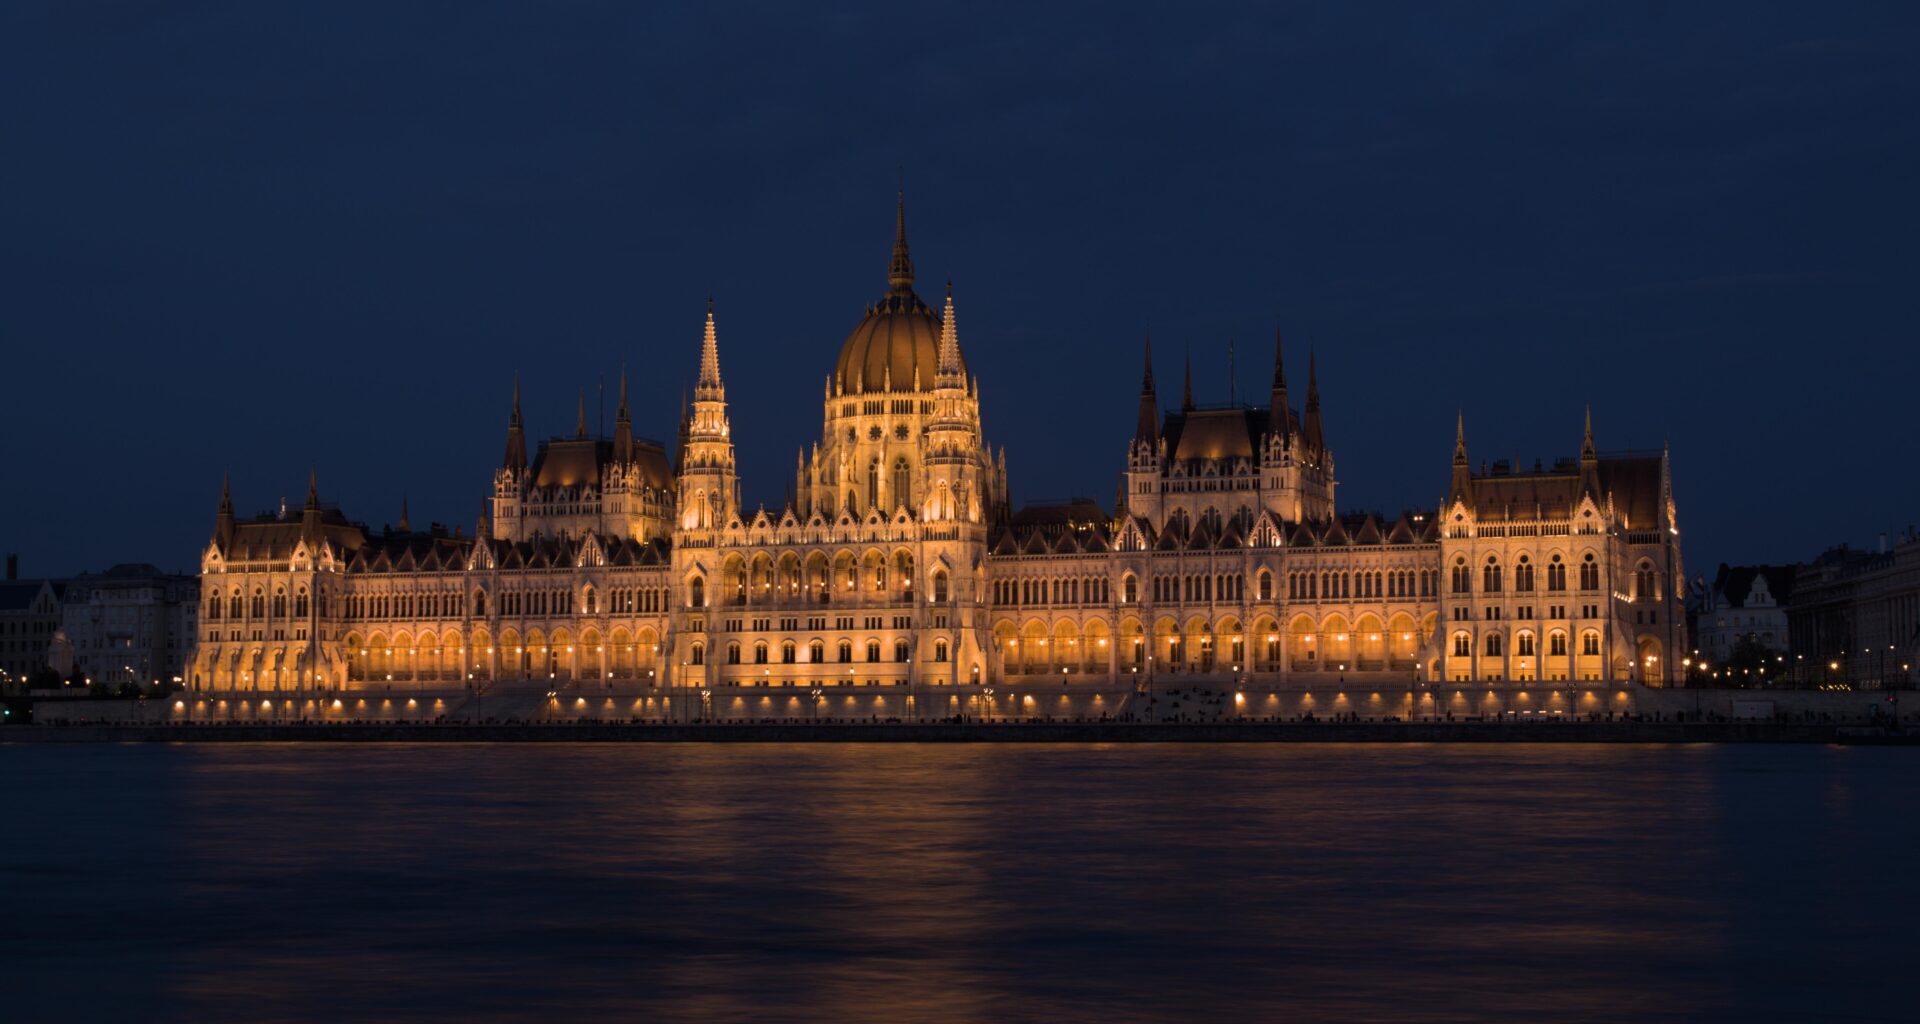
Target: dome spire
{"points": [[900, 270]]}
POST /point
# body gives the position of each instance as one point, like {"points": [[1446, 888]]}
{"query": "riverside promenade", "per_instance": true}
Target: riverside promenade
{"points": [[1625, 731]]}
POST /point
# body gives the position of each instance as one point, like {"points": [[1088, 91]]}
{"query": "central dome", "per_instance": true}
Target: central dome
{"points": [[898, 338]]}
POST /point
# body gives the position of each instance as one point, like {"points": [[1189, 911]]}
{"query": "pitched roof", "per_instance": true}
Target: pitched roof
{"points": [[1734, 583]]}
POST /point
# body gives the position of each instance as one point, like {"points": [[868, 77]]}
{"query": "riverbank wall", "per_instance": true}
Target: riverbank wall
{"points": [[978, 732]]}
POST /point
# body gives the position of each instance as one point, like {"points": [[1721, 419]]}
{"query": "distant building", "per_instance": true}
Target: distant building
{"points": [[1855, 616], [130, 624], [1745, 603], [29, 615]]}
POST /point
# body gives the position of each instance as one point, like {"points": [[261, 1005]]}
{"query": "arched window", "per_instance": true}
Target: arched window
{"points": [[213, 608], [1523, 645], [1493, 644], [1266, 585], [902, 483], [697, 654], [1557, 644], [1129, 589], [1462, 577], [1490, 576], [1645, 585], [697, 593], [1523, 576], [786, 653], [940, 586], [1556, 574], [300, 604], [873, 484], [816, 652], [899, 650], [1462, 645], [279, 604], [1589, 573], [846, 650], [479, 604], [259, 605], [733, 654], [1590, 643], [586, 601], [873, 650], [940, 650]]}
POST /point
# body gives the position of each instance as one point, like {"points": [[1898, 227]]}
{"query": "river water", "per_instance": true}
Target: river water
{"points": [[853, 882]]}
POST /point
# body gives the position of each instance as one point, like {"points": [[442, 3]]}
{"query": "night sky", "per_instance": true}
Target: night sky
{"points": [[237, 236]]}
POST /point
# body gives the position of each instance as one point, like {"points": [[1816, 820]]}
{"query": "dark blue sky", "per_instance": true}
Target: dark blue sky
{"points": [[237, 235]]}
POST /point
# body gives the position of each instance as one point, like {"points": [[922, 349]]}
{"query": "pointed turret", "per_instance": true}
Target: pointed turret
{"points": [[516, 457], [952, 373], [406, 523], [900, 268], [1462, 469], [580, 419], [480, 529], [1312, 431], [1589, 460], [709, 492], [223, 520], [1279, 419], [310, 512], [622, 426], [1148, 426], [1186, 391], [708, 388]]}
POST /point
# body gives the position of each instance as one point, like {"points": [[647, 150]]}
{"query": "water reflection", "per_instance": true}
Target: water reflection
{"points": [[949, 883]]}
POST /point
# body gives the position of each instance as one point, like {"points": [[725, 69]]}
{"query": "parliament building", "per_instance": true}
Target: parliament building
{"points": [[613, 564]]}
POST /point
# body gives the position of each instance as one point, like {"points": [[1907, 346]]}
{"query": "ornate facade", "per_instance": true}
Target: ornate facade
{"points": [[898, 561]]}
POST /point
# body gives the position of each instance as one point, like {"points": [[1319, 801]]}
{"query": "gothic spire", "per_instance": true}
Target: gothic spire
{"points": [[1186, 393], [1462, 471], [1149, 423], [622, 426], [1279, 417], [310, 515], [516, 456], [900, 270], [406, 524], [580, 420], [1589, 460], [480, 531], [1315, 434], [951, 373], [223, 520], [708, 388]]}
